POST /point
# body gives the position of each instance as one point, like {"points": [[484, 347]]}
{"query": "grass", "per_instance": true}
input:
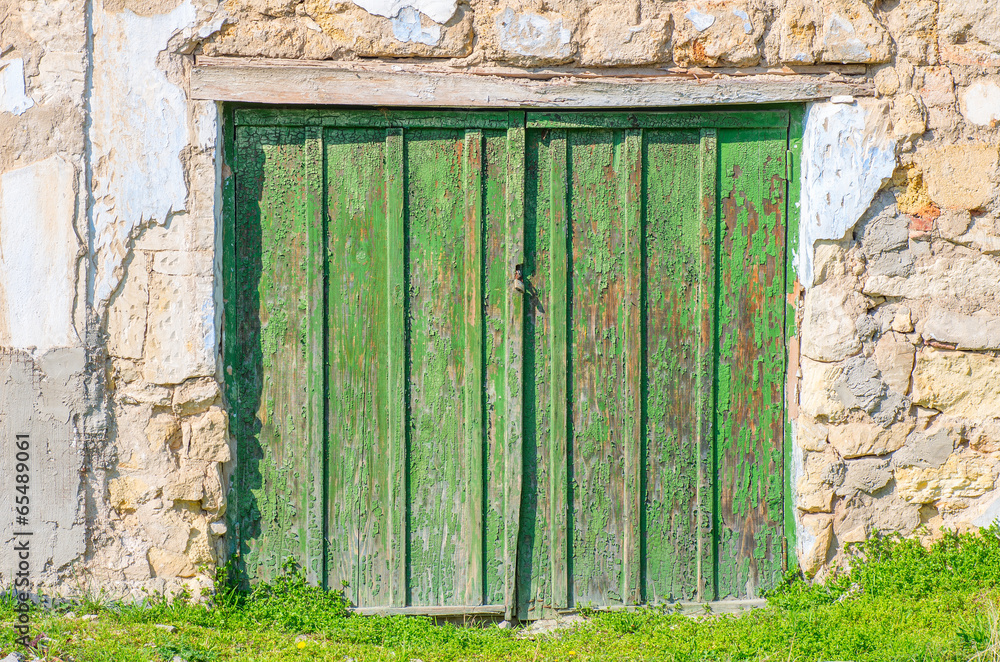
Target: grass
{"points": [[898, 602]]}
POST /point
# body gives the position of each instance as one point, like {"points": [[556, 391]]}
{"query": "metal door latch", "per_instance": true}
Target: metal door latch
{"points": [[519, 278]]}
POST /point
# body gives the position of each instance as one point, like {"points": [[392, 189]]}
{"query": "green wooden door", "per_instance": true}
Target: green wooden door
{"points": [[520, 361]]}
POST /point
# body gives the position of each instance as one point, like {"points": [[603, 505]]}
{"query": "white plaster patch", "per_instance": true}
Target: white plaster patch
{"points": [[981, 102], [12, 96], [39, 251], [747, 25], [846, 155], [139, 128], [532, 34], [700, 20], [406, 27], [439, 11]]}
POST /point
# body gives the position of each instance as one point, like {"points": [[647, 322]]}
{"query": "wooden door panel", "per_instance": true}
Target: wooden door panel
{"points": [[277, 495], [751, 360]]}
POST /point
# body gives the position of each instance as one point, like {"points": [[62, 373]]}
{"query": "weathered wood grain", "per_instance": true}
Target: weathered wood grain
{"points": [[294, 83]]}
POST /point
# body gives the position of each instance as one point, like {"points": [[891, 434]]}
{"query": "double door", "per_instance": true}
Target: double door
{"points": [[509, 361]]}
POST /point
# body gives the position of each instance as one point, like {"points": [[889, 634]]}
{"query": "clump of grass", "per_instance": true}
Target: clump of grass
{"points": [[902, 568]]}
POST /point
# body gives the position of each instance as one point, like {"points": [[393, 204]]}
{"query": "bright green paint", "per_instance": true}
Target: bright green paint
{"points": [[592, 440]]}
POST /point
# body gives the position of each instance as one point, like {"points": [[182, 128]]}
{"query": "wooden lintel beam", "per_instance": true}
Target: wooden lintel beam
{"points": [[290, 82]]}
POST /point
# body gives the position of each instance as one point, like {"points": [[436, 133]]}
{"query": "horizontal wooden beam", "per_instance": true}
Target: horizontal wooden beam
{"points": [[382, 84], [442, 612]]}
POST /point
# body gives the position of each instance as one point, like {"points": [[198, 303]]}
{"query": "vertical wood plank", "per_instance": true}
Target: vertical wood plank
{"points": [[278, 459], [751, 365], [513, 355], [357, 442], [396, 327], [316, 382], [631, 192], [558, 326], [497, 284], [707, 166], [673, 317], [472, 166]]}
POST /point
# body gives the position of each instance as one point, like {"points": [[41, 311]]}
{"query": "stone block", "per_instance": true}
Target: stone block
{"points": [[799, 26], [829, 262], [964, 277], [127, 493], [719, 33], [980, 102], [924, 449], [969, 32], [819, 530], [908, 121], [886, 513], [913, 26], [953, 223], [894, 356], [958, 384], [810, 435], [984, 235], [168, 564], [819, 398], [960, 176], [206, 435], [860, 387], [865, 475], [200, 549], [195, 396], [379, 29], [861, 439], [163, 431], [938, 88], [961, 476], [852, 34], [985, 436], [127, 312], [975, 332], [187, 483], [829, 332], [289, 37], [180, 339], [528, 33], [616, 34]]}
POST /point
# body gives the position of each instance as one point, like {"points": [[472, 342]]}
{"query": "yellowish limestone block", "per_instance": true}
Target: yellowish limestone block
{"points": [[860, 439], [960, 476], [959, 384]]}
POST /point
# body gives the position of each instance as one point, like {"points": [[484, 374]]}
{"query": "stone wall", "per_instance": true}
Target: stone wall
{"points": [[109, 273]]}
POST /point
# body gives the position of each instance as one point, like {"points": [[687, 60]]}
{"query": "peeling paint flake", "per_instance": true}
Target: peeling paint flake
{"points": [[139, 177], [700, 20], [846, 155], [532, 34], [12, 96], [406, 26], [439, 11]]}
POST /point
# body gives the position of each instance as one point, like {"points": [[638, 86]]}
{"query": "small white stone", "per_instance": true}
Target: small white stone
{"points": [[842, 98], [166, 628]]}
